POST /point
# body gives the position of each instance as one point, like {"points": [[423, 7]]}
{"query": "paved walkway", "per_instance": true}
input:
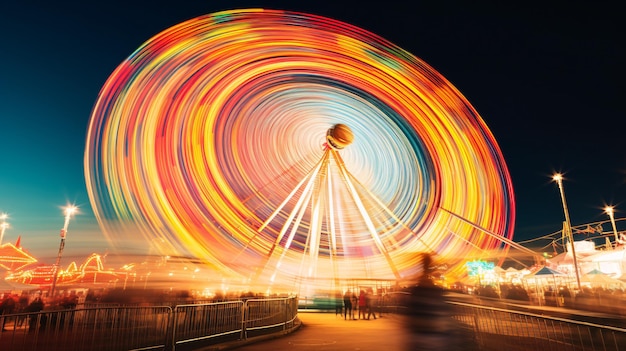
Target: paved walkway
{"points": [[330, 332]]}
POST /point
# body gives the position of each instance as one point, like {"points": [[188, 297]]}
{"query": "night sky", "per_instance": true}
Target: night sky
{"points": [[546, 81]]}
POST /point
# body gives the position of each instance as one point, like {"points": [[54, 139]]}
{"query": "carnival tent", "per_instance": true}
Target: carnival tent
{"points": [[598, 279], [595, 271], [544, 280], [545, 276], [609, 262], [545, 271]]}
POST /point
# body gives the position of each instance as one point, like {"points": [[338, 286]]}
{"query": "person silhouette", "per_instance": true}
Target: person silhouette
{"points": [[347, 305], [338, 303], [355, 305], [428, 317], [7, 307], [35, 306], [370, 303], [362, 304]]}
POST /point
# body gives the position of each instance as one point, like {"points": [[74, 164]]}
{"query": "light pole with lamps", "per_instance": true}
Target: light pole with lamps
{"points": [[4, 225], [69, 211], [611, 212], [559, 180]]}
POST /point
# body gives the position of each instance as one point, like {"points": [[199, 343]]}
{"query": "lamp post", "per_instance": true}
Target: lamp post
{"points": [[559, 180], [69, 211], [4, 225], [609, 210]]}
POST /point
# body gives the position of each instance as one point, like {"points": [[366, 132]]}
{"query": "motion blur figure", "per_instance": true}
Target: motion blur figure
{"points": [[362, 305], [347, 305], [428, 317], [338, 303], [370, 302]]}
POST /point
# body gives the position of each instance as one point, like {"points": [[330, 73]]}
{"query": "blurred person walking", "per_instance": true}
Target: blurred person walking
{"points": [[7, 307], [362, 304], [347, 305], [370, 303], [355, 305], [338, 303], [428, 317], [35, 306]]}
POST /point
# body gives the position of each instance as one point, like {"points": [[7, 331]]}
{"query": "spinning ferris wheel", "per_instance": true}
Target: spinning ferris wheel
{"points": [[283, 145]]}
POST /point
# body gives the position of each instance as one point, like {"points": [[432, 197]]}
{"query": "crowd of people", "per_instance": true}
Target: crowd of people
{"points": [[354, 307], [21, 305], [16, 304]]}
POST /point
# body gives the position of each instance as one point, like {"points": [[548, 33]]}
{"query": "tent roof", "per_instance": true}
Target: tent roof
{"points": [[595, 271], [600, 279], [546, 271]]}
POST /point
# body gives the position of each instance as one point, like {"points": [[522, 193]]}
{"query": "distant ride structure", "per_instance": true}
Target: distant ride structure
{"points": [[286, 148]]}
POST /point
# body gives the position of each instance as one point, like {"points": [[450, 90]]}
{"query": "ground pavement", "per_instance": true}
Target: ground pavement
{"points": [[330, 332]]}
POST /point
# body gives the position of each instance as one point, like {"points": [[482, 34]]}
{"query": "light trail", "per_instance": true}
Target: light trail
{"points": [[199, 140]]}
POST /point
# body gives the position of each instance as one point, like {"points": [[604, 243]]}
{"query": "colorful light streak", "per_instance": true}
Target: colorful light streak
{"points": [[202, 133]]}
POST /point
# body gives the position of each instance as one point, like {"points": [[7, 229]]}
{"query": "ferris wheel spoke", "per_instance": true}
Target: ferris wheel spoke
{"points": [[332, 236], [305, 198], [310, 177], [489, 254], [292, 233], [501, 238], [389, 212], [368, 221], [303, 260], [300, 209], [316, 223]]}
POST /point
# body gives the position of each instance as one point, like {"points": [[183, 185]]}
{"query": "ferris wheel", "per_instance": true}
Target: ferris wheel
{"points": [[282, 145]]}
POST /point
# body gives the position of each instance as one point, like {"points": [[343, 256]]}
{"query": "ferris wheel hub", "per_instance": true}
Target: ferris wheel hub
{"points": [[339, 136]]}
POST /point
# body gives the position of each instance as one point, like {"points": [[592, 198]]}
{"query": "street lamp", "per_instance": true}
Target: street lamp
{"points": [[69, 211], [4, 225], [558, 178], [609, 210]]}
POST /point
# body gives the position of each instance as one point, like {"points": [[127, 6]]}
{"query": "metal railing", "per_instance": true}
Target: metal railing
{"points": [[147, 327], [195, 326], [205, 322], [500, 329], [269, 316], [111, 328]]}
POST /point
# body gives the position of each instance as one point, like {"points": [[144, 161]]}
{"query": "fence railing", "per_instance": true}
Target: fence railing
{"points": [[499, 329], [189, 327], [183, 327], [269, 316]]}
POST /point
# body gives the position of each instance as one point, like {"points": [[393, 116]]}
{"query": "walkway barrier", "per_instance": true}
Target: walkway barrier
{"points": [[269, 316], [112, 328], [499, 329], [190, 327], [183, 327], [203, 324]]}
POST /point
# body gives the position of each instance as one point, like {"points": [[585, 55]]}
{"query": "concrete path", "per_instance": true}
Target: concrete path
{"points": [[330, 332]]}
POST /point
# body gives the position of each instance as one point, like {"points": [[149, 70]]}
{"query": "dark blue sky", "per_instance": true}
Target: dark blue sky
{"points": [[548, 81]]}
